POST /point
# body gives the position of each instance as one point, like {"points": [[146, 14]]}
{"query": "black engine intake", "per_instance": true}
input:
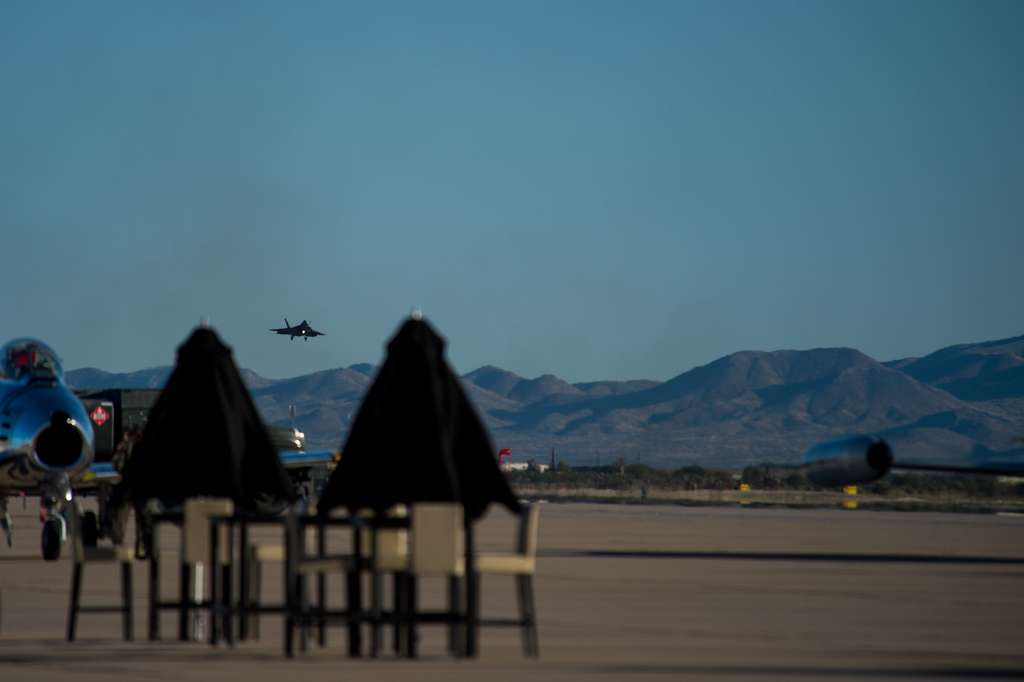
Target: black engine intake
{"points": [[59, 444]]}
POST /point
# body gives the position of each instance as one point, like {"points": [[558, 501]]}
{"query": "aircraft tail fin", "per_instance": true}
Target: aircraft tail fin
{"points": [[286, 323]]}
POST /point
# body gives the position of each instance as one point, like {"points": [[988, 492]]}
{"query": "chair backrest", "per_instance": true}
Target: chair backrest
{"points": [[528, 523], [196, 530], [392, 543], [438, 539]]}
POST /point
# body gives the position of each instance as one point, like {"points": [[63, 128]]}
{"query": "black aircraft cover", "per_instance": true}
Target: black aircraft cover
{"points": [[204, 436], [416, 437]]}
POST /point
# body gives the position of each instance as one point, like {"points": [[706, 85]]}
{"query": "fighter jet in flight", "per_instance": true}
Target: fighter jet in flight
{"points": [[302, 329]]}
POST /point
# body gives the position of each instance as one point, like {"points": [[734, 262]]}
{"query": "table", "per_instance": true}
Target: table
{"points": [[354, 614]]}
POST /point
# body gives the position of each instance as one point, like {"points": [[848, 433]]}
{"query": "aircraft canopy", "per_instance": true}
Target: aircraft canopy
{"points": [[29, 358]]}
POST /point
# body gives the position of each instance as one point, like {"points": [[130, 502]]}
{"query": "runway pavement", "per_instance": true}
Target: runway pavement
{"points": [[623, 592]]}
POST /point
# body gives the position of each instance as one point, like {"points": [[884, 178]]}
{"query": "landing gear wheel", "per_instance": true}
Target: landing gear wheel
{"points": [[90, 529], [51, 539]]}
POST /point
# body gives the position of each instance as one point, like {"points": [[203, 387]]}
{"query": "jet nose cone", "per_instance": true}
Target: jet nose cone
{"points": [[50, 422]]}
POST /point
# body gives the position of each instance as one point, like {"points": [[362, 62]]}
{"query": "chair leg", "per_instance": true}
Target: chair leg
{"points": [[226, 600], [376, 596], [214, 610], [252, 613], [305, 620], [154, 598], [527, 612], [411, 633], [76, 590], [183, 600], [397, 599], [244, 590], [321, 600], [456, 632], [521, 602], [472, 612], [353, 596], [126, 600], [290, 605]]}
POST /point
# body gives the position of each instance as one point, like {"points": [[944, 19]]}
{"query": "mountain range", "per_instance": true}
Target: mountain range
{"points": [[961, 403]]}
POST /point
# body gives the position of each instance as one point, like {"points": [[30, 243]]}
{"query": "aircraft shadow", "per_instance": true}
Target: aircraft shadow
{"points": [[821, 672], [85, 650], [782, 556]]}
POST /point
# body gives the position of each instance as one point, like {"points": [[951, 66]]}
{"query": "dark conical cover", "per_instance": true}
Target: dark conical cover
{"points": [[416, 437], [204, 436]]}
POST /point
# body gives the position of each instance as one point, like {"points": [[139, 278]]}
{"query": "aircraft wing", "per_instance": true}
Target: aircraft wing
{"points": [[104, 472], [97, 473], [297, 459], [993, 469]]}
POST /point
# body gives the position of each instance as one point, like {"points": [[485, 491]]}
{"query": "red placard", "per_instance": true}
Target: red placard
{"points": [[99, 416]]}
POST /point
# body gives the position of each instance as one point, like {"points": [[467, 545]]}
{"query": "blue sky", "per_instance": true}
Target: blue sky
{"points": [[600, 190]]}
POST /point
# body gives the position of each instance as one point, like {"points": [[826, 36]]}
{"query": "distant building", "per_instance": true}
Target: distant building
{"points": [[524, 466]]}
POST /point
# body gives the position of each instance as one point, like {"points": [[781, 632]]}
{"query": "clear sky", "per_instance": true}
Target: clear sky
{"points": [[600, 190]]}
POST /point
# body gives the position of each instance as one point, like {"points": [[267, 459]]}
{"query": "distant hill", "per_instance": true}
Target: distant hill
{"points": [[960, 402], [745, 408], [154, 377], [597, 389], [325, 403], [90, 377], [975, 371], [493, 379]]}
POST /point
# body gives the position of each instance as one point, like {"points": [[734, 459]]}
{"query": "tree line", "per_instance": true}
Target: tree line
{"points": [[765, 476]]}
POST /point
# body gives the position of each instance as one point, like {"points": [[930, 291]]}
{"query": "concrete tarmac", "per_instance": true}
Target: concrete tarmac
{"points": [[623, 593]]}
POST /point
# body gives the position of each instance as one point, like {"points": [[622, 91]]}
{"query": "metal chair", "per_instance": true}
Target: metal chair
{"points": [[389, 555], [257, 554], [522, 565], [195, 559], [438, 550], [82, 555], [299, 566]]}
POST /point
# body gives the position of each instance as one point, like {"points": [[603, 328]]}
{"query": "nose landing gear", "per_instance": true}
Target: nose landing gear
{"points": [[55, 529]]}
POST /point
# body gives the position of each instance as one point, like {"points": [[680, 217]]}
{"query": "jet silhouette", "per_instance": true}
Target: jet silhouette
{"points": [[302, 329]]}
